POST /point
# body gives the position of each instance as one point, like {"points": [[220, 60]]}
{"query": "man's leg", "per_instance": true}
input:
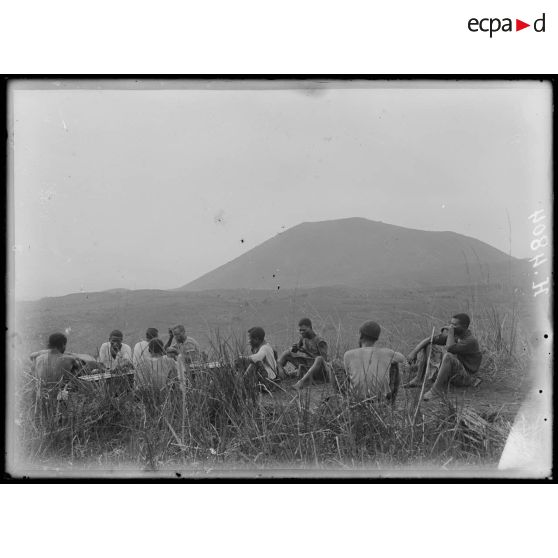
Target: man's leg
{"points": [[339, 377], [286, 356], [422, 359], [449, 369], [394, 381], [318, 367], [254, 378]]}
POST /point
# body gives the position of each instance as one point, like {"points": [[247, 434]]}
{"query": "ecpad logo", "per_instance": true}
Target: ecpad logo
{"points": [[493, 25]]}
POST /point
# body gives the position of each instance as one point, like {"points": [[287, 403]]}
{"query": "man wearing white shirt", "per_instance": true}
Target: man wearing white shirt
{"points": [[141, 349], [262, 360], [115, 354]]}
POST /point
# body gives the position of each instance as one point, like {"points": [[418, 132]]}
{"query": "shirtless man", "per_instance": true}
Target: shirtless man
{"points": [[52, 366], [373, 371]]}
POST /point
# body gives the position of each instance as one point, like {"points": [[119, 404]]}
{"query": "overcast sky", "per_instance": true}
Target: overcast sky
{"points": [[152, 188]]}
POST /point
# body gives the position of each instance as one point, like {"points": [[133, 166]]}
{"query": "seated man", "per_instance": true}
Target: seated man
{"points": [[155, 370], [52, 366], [462, 358], [309, 355], [261, 363], [141, 349], [373, 371], [187, 349], [115, 354], [172, 352]]}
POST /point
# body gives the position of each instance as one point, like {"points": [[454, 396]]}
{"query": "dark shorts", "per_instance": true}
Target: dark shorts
{"points": [[460, 376]]}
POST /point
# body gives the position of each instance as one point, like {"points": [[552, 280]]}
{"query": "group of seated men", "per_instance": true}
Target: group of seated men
{"points": [[153, 361], [451, 357]]}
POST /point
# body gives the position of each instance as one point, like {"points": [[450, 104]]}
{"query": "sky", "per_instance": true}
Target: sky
{"points": [[151, 188]]}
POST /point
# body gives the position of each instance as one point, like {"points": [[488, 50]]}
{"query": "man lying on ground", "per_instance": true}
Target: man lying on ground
{"points": [[261, 363], [373, 371], [461, 360], [155, 370], [141, 349], [51, 365], [114, 353], [309, 356]]}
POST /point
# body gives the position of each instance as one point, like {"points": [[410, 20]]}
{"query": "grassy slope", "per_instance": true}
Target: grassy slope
{"points": [[218, 427], [405, 315]]}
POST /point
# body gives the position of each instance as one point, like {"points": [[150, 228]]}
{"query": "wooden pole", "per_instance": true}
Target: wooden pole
{"points": [[425, 375]]}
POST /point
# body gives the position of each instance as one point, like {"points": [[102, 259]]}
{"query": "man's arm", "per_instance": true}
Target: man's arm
{"points": [[103, 354], [169, 341], [450, 341], [402, 361], [346, 362], [413, 354], [322, 349], [34, 355], [467, 346], [399, 357], [259, 356], [127, 352]]}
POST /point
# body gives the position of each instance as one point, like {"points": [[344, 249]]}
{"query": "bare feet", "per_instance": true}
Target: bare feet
{"points": [[281, 372], [431, 395], [415, 382]]}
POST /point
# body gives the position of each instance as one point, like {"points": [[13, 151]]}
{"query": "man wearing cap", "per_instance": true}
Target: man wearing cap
{"points": [[114, 353], [141, 349], [373, 371], [261, 362]]}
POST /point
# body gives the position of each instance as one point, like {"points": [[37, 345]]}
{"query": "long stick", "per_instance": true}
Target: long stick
{"points": [[425, 375]]}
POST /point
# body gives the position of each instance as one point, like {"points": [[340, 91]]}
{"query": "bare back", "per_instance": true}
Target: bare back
{"points": [[368, 369]]}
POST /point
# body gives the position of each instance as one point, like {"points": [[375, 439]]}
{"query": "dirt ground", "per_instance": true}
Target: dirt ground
{"points": [[501, 392]]}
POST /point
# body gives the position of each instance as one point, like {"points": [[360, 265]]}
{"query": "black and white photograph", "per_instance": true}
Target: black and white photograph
{"points": [[279, 278]]}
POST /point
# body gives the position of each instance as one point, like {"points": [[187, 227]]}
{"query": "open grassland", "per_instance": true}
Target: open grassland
{"points": [[223, 422], [405, 315]]}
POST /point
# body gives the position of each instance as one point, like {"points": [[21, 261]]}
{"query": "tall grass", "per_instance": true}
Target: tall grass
{"points": [[224, 419]]}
